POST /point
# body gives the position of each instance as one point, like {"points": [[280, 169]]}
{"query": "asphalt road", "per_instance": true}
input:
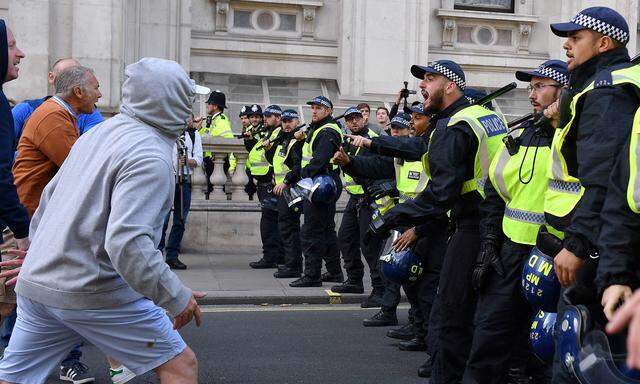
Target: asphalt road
{"points": [[286, 345]]}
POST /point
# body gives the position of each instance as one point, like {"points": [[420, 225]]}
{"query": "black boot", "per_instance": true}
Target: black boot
{"points": [[406, 332], [349, 286], [286, 273], [262, 264], [374, 300], [306, 281], [425, 368], [381, 319], [413, 345], [176, 264], [329, 277]]}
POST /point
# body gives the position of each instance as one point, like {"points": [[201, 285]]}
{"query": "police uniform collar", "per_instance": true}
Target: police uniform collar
{"points": [[459, 104], [326, 120], [582, 75]]}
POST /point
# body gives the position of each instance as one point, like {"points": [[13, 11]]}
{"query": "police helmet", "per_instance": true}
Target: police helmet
{"points": [[319, 190], [586, 352], [540, 284], [541, 335], [402, 267]]}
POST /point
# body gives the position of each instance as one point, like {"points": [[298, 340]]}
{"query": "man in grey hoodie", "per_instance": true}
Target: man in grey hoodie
{"points": [[93, 270]]}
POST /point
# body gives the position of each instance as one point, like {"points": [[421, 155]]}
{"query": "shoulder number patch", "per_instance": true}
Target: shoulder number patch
{"points": [[414, 175]]}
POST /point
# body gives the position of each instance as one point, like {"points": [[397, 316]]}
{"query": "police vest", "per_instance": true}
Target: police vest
{"points": [[257, 161], [350, 185], [411, 179], [489, 128], [307, 147], [633, 189], [280, 169], [565, 190], [220, 127], [524, 203]]}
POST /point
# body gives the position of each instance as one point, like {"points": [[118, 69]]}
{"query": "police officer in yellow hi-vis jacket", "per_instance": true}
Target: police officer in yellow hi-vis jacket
{"points": [[594, 119], [216, 124], [259, 162], [512, 213], [319, 240]]}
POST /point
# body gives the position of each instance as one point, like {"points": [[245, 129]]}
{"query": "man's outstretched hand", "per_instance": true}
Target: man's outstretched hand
{"points": [[191, 311]]}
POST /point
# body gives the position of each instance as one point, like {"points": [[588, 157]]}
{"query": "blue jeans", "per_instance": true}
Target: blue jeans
{"points": [[177, 228]]}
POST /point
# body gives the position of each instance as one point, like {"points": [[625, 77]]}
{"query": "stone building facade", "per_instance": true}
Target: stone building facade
{"points": [[286, 51]]}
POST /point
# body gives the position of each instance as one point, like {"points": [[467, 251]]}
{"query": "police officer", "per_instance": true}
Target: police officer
{"points": [[319, 240], [217, 124], [356, 219], [260, 167], [250, 187], [407, 180], [286, 172], [595, 117], [464, 139], [512, 214], [619, 243]]}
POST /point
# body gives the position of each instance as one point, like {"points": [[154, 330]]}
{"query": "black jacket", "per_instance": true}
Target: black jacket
{"points": [[619, 242], [492, 207], [12, 213], [601, 127], [451, 160], [324, 147]]}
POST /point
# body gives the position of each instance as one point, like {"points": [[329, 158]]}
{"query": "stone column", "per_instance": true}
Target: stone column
{"points": [[218, 178], [240, 178], [198, 184]]}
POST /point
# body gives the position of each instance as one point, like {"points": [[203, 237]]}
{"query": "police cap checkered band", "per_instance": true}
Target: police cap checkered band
{"points": [[602, 27], [600, 19], [552, 74], [352, 111], [448, 72], [321, 100], [273, 110], [289, 114]]}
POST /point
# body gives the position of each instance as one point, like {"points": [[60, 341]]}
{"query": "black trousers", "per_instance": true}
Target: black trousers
{"points": [[351, 240], [289, 223], [319, 241], [272, 247], [422, 293], [503, 314], [455, 305]]}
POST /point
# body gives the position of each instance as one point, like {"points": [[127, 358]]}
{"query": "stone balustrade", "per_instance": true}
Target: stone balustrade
{"points": [[220, 149]]}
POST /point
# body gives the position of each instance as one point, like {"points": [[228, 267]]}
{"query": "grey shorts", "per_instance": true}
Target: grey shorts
{"points": [[139, 335]]}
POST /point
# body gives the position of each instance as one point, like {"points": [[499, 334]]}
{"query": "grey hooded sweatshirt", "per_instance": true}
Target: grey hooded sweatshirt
{"points": [[96, 231]]}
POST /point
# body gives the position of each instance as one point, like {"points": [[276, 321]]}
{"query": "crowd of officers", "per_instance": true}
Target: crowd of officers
{"points": [[468, 193]]}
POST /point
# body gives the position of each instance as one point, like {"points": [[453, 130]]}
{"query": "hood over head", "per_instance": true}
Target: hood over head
{"points": [[159, 93], [4, 51]]}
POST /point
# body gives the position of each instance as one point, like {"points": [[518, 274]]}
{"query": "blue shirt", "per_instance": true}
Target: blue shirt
{"points": [[22, 111]]}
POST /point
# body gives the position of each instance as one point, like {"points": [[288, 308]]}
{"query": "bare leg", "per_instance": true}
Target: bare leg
{"points": [[113, 363], [182, 369]]}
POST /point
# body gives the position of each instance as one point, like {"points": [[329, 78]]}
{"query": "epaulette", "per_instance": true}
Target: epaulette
{"points": [[603, 79]]}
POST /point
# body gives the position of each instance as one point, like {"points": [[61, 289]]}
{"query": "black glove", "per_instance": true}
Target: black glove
{"points": [[383, 189], [488, 258]]}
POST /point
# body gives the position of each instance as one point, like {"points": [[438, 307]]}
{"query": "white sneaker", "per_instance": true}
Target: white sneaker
{"points": [[121, 375]]}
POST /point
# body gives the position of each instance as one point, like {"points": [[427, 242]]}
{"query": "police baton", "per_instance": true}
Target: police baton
{"points": [[495, 94], [520, 120]]}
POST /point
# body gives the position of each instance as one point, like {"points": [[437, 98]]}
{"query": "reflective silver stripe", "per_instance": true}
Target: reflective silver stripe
{"points": [[524, 216], [483, 146], [307, 158], [260, 164], [481, 183], [634, 176], [501, 163], [404, 197], [565, 186]]}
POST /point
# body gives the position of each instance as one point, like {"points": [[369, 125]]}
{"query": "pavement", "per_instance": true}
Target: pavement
{"points": [[298, 344], [227, 279]]}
